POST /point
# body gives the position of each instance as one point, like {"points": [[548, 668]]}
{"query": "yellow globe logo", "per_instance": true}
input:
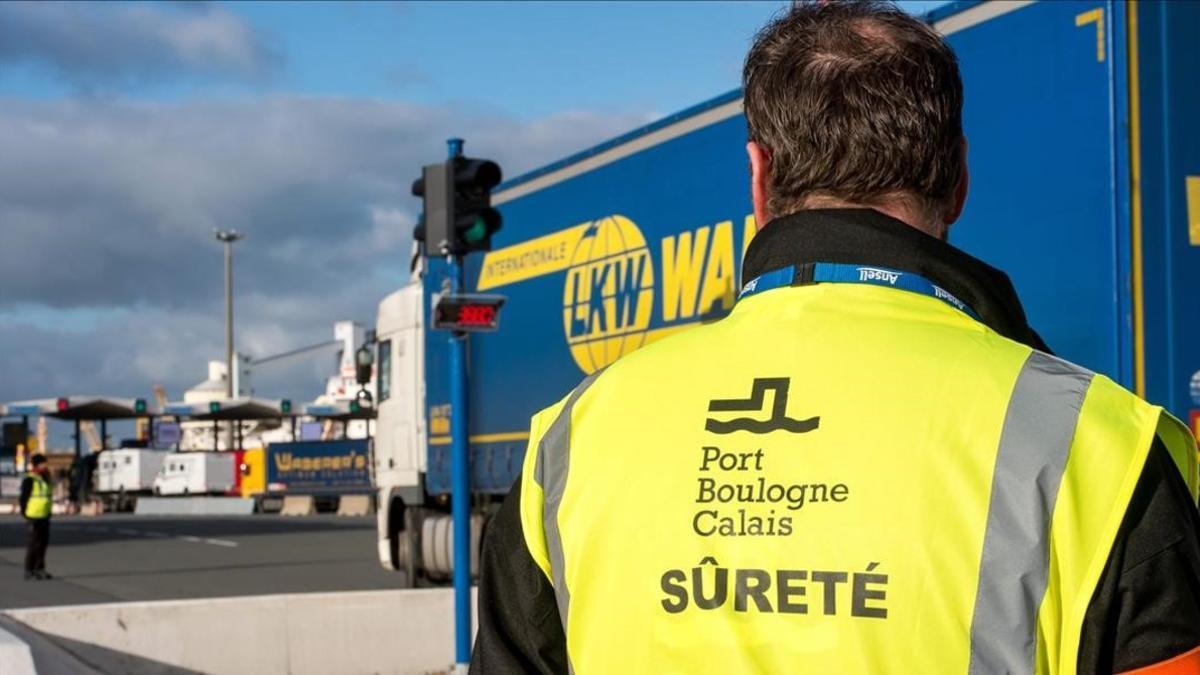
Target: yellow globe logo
{"points": [[609, 293]]}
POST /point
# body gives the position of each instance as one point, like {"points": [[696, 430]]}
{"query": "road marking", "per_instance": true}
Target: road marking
{"points": [[204, 540], [154, 534], [221, 542]]}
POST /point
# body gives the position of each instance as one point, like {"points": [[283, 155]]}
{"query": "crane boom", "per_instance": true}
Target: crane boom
{"points": [[95, 443], [295, 352]]}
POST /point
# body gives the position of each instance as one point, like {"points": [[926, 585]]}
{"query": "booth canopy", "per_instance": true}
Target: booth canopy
{"points": [[234, 409], [340, 411], [81, 408]]}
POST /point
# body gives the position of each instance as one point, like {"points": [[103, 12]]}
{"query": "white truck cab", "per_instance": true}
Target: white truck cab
{"points": [[400, 437]]}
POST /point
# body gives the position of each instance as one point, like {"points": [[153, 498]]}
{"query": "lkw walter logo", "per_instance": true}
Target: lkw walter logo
{"points": [[609, 293]]}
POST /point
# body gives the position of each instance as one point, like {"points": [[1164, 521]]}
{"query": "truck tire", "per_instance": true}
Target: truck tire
{"points": [[408, 548], [437, 539]]}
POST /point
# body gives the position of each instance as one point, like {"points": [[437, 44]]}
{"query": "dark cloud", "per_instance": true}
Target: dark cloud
{"points": [[104, 45], [110, 279]]}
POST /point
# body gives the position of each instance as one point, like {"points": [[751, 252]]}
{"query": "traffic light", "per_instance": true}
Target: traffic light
{"points": [[475, 221], [139, 406], [214, 407], [457, 195], [355, 407], [285, 406]]}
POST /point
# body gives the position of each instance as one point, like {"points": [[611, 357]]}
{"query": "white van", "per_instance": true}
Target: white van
{"points": [[125, 472], [196, 473]]}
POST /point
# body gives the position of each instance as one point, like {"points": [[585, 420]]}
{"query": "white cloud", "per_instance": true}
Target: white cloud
{"points": [[105, 45], [110, 279]]}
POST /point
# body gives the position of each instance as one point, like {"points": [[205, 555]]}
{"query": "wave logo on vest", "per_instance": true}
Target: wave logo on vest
{"points": [[609, 293], [779, 421]]}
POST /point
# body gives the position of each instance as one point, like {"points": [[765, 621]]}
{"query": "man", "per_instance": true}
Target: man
{"points": [[871, 465], [35, 503]]}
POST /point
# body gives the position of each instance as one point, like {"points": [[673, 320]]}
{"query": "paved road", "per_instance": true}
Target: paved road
{"points": [[120, 558]]}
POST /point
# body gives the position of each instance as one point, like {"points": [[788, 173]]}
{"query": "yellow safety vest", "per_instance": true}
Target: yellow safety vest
{"points": [[38, 506], [834, 479]]}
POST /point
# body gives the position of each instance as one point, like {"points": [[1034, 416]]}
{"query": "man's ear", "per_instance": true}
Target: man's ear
{"points": [[760, 170], [960, 190]]}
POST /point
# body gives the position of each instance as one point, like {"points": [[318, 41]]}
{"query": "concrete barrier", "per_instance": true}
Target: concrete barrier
{"points": [[407, 632], [194, 506], [355, 505], [297, 505], [15, 656]]}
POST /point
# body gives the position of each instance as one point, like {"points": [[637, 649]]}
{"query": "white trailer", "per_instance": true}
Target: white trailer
{"points": [[122, 474], [196, 473]]}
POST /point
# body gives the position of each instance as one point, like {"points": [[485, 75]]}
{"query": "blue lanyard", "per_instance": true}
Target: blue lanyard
{"points": [[839, 273]]}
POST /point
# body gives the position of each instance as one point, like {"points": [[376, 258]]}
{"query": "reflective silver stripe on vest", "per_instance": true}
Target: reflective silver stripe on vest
{"points": [[1034, 444], [550, 471]]}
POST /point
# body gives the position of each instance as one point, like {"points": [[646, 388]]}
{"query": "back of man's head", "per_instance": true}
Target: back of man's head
{"points": [[856, 102], [37, 461]]}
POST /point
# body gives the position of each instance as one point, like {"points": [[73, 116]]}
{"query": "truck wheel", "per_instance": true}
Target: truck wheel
{"points": [[408, 549], [437, 546]]}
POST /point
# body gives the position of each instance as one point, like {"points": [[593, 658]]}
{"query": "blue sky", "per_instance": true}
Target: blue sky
{"points": [[131, 130], [527, 58]]}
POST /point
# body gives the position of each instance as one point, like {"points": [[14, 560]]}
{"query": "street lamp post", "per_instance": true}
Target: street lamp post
{"points": [[228, 237]]}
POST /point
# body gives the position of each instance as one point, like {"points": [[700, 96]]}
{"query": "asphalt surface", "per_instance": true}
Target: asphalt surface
{"points": [[128, 558]]}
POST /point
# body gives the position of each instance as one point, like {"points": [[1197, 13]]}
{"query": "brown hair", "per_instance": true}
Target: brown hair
{"points": [[855, 100]]}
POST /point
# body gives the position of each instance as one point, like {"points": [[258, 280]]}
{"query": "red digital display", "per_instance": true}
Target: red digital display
{"points": [[476, 315], [467, 313]]}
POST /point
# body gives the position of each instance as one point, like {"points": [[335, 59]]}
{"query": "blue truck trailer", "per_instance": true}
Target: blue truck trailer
{"points": [[1085, 187], [319, 468]]}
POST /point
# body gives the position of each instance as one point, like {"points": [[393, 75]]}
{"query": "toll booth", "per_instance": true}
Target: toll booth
{"points": [[343, 412], [80, 409], [234, 411], [13, 432]]}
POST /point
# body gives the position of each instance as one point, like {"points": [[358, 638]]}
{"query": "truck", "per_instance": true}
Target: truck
{"points": [[325, 470], [122, 474], [1085, 189], [197, 473]]}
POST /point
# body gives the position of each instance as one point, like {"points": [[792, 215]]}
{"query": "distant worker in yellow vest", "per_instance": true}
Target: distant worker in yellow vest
{"points": [[36, 504], [873, 464]]}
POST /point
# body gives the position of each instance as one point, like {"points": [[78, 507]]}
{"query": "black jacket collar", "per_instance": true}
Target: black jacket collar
{"points": [[868, 237]]}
